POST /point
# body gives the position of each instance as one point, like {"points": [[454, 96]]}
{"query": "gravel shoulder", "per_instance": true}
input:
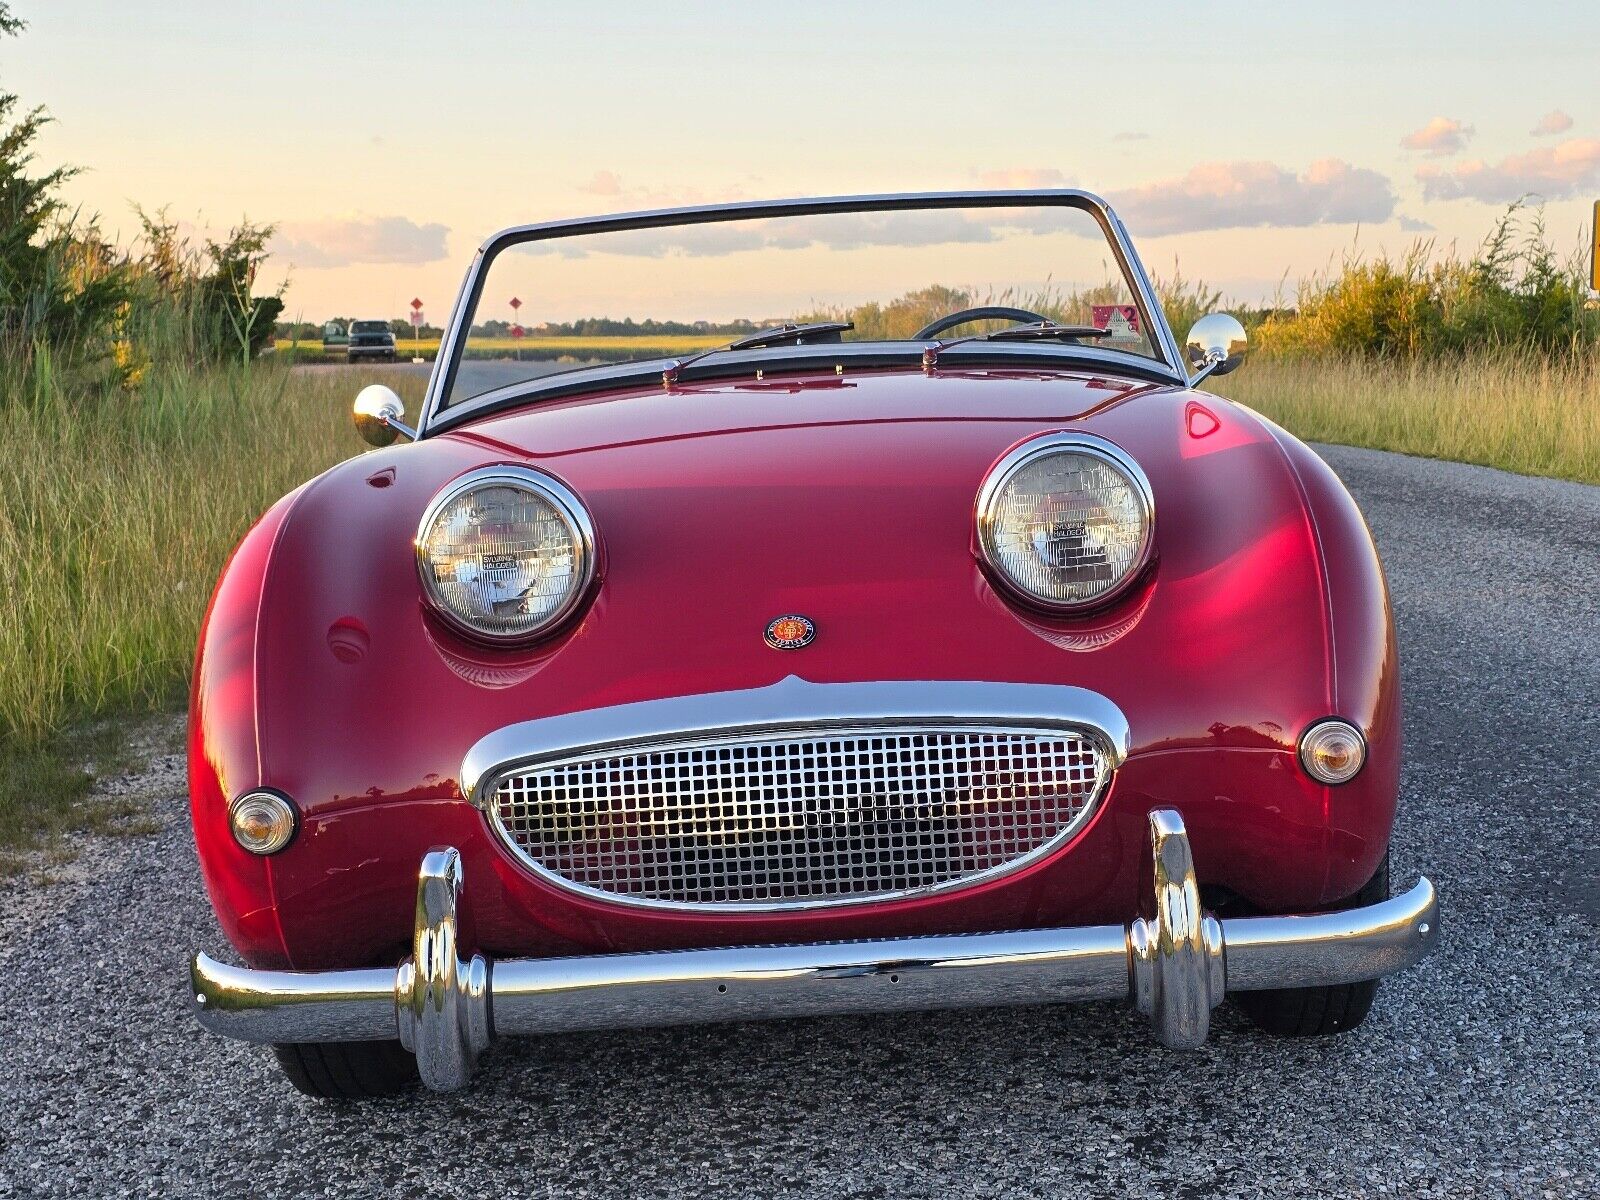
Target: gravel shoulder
{"points": [[1476, 1075]]}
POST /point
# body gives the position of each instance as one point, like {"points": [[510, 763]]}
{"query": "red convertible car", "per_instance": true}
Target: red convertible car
{"points": [[851, 638]]}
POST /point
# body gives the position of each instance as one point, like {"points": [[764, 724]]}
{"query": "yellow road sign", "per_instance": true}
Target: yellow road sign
{"points": [[1594, 250]]}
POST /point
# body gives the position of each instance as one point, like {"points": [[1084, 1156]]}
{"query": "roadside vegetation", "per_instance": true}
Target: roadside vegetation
{"points": [[540, 346], [143, 431]]}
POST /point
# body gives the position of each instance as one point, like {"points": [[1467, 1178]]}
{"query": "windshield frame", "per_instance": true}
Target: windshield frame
{"points": [[1168, 365]]}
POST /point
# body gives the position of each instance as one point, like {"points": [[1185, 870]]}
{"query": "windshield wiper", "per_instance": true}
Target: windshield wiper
{"points": [[799, 335], [1040, 331]]}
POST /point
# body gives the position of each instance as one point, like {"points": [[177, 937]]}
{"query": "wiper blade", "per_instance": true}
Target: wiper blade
{"points": [[1039, 331], [798, 334], [1044, 330], [828, 331]]}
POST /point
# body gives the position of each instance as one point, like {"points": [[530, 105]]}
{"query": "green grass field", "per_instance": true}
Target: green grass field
{"points": [[577, 347], [116, 516]]}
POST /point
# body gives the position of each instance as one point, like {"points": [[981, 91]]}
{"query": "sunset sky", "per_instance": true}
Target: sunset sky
{"points": [[1247, 141]]}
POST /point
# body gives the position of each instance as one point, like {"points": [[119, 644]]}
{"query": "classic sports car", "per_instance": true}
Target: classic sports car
{"points": [[922, 646]]}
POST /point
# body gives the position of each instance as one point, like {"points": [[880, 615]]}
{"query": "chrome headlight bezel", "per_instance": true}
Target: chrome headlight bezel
{"points": [[1025, 455], [568, 508]]}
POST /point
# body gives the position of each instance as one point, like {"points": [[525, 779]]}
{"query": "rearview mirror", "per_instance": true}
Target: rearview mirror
{"points": [[1217, 345], [377, 415]]}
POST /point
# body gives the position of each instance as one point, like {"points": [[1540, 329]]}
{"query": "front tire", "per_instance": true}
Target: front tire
{"points": [[1318, 1011], [347, 1070]]}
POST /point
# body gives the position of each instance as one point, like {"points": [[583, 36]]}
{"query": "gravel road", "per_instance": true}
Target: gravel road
{"points": [[1477, 1075]]}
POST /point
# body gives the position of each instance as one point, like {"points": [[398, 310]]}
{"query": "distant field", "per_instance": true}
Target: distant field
{"points": [[535, 347]]}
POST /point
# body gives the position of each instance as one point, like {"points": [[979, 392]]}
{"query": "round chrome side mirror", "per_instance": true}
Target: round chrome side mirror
{"points": [[377, 415], [1217, 345]]}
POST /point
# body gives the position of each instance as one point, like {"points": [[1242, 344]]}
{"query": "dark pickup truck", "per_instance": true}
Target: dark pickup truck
{"points": [[370, 339]]}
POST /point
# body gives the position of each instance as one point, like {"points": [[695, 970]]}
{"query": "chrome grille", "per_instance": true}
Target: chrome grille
{"points": [[800, 818]]}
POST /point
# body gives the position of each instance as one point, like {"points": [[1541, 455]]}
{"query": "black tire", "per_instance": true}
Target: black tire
{"points": [[347, 1070], [1318, 1011]]}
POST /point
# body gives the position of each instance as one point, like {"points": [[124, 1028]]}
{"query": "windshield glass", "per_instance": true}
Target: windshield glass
{"points": [[650, 294], [370, 327]]}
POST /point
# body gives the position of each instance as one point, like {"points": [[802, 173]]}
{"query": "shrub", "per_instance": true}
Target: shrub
{"points": [[60, 283], [1514, 293]]}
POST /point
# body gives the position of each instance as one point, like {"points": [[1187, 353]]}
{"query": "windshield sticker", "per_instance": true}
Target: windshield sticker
{"points": [[1122, 320]]}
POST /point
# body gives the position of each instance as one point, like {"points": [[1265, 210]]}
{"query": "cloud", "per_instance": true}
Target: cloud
{"points": [[1130, 135], [1030, 179], [1554, 121], [602, 183], [1551, 172], [1439, 138], [1237, 195], [1413, 225], [845, 231], [339, 243]]}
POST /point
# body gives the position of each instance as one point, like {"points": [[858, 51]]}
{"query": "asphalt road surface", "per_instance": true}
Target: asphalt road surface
{"points": [[1478, 1074]]}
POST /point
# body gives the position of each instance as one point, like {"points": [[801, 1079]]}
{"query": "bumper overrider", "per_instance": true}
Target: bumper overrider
{"points": [[1174, 965]]}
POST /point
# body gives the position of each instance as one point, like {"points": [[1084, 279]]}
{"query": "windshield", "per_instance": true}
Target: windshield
{"points": [[370, 327], [652, 294]]}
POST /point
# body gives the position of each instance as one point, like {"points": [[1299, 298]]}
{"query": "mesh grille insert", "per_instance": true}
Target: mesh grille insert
{"points": [[799, 818]]}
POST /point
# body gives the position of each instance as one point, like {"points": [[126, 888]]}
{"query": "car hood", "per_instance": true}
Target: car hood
{"points": [[738, 407], [847, 500]]}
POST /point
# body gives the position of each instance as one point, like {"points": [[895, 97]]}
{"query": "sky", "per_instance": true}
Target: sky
{"points": [[1248, 144]]}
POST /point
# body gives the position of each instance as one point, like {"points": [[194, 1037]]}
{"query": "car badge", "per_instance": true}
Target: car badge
{"points": [[790, 632]]}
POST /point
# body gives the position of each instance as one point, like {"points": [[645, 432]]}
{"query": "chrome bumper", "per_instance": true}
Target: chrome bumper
{"points": [[1174, 966]]}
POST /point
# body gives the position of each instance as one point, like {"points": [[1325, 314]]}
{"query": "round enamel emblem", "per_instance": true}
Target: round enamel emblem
{"points": [[790, 632]]}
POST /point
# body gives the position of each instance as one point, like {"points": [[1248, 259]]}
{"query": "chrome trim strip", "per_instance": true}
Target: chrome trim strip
{"points": [[1173, 966], [1039, 447], [794, 704], [455, 334]]}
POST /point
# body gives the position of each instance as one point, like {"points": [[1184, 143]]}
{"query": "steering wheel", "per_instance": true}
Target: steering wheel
{"points": [[989, 312]]}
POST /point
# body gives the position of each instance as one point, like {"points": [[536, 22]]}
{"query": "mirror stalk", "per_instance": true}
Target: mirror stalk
{"points": [[377, 416], [1216, 345]]}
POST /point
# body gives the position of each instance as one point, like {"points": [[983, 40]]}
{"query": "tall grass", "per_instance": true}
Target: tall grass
{"points": [[1499, 407], [115, 517], [116, 514]]}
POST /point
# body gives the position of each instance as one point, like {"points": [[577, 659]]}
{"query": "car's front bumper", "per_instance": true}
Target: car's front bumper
{"points": [[1175, 965]]}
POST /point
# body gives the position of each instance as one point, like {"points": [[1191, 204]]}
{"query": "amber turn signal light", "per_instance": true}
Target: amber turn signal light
{"points": [[263, 822], [1333, 751]]}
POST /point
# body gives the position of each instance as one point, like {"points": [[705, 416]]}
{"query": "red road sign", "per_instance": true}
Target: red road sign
{"points": [[515, 304], [416, 318], [415, 303], [516, 331]]}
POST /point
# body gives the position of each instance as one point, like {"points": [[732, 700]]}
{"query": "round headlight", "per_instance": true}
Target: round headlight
{"points": [[505, 553], [1066, 520], [1333, 751], [263, 822]]}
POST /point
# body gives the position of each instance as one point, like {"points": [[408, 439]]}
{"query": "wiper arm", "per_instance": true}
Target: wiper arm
{"points": [[1043, 331], [1039, 331], [795, 333], [798, 334]]}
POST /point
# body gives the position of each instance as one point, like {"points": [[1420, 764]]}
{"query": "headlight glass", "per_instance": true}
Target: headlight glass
{"points": [[1067, 520], [505, 552]]}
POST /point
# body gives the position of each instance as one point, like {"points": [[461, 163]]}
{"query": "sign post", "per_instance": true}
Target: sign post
{"points": [[1594, 250], [416, 329], [516, 328]]}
